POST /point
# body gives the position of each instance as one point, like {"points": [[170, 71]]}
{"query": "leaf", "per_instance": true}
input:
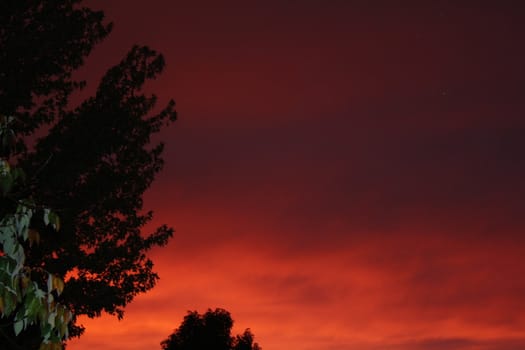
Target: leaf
{"points": [[22, 226], [6, 183], [4, 263], [25, 282], [46, 216], [55, 221], [58, 284], [51, 319], [42, 317], [4, 167], [19, 174], [15, 284], [5, 140], [50, 283], [68, 316], [33, 307], [9, 247], [18, 326], [39, 293], [19, 257], [52, 218], [63, 330], [56, 346], [45, 329], [33, 236], [9, 303]]}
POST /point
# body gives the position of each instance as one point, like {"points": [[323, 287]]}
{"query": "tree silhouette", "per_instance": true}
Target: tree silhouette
{"points": [[210, 331], [93, 163], [42, 42], [245, 341]]}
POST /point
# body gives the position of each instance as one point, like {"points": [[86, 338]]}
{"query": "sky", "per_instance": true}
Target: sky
{"points": [[343, 175]]}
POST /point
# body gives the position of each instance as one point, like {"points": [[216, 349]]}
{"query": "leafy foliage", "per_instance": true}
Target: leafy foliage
{"points": [[99, 169], [245, 341], [25, 300], [93, 163], [42, 42], [211, 331]]}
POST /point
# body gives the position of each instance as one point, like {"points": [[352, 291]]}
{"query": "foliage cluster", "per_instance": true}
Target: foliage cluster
{"points": [[27, 294], [211, 331], [91, 165]]}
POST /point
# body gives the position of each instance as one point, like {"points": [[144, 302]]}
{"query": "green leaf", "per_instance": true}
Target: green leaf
{"points": [[4, 263], [7, 229], [22, 225], [39, 293], [54, 220], [50, 283], [19, 325], [32, 312], [19, 175], [6, 138], [9, 247], [46, 331], [6, 183], [51, 319], [46, 216], [19, 257], [4, 167]]}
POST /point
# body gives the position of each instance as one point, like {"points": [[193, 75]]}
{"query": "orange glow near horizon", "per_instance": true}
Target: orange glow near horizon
{"points": [[343, 176]]}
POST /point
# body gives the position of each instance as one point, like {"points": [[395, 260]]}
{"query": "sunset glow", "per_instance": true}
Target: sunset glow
{"points": [[344, 175]]}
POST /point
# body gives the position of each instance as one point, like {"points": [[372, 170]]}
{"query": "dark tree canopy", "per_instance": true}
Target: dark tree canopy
{"points": [[94, 163], [41, 43], [244, 341], [94, 166], [210, 331]]}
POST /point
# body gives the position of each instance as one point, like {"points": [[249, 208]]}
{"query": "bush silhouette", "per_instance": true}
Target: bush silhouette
{"points": [[210, 331]]}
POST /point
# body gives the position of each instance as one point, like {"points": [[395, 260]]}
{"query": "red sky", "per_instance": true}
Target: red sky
{"points": [[344, 175]]}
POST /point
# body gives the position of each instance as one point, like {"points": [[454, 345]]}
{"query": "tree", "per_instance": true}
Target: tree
{"points": [[42, 42], [245, 341], [93, 163], [210, 331]]}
